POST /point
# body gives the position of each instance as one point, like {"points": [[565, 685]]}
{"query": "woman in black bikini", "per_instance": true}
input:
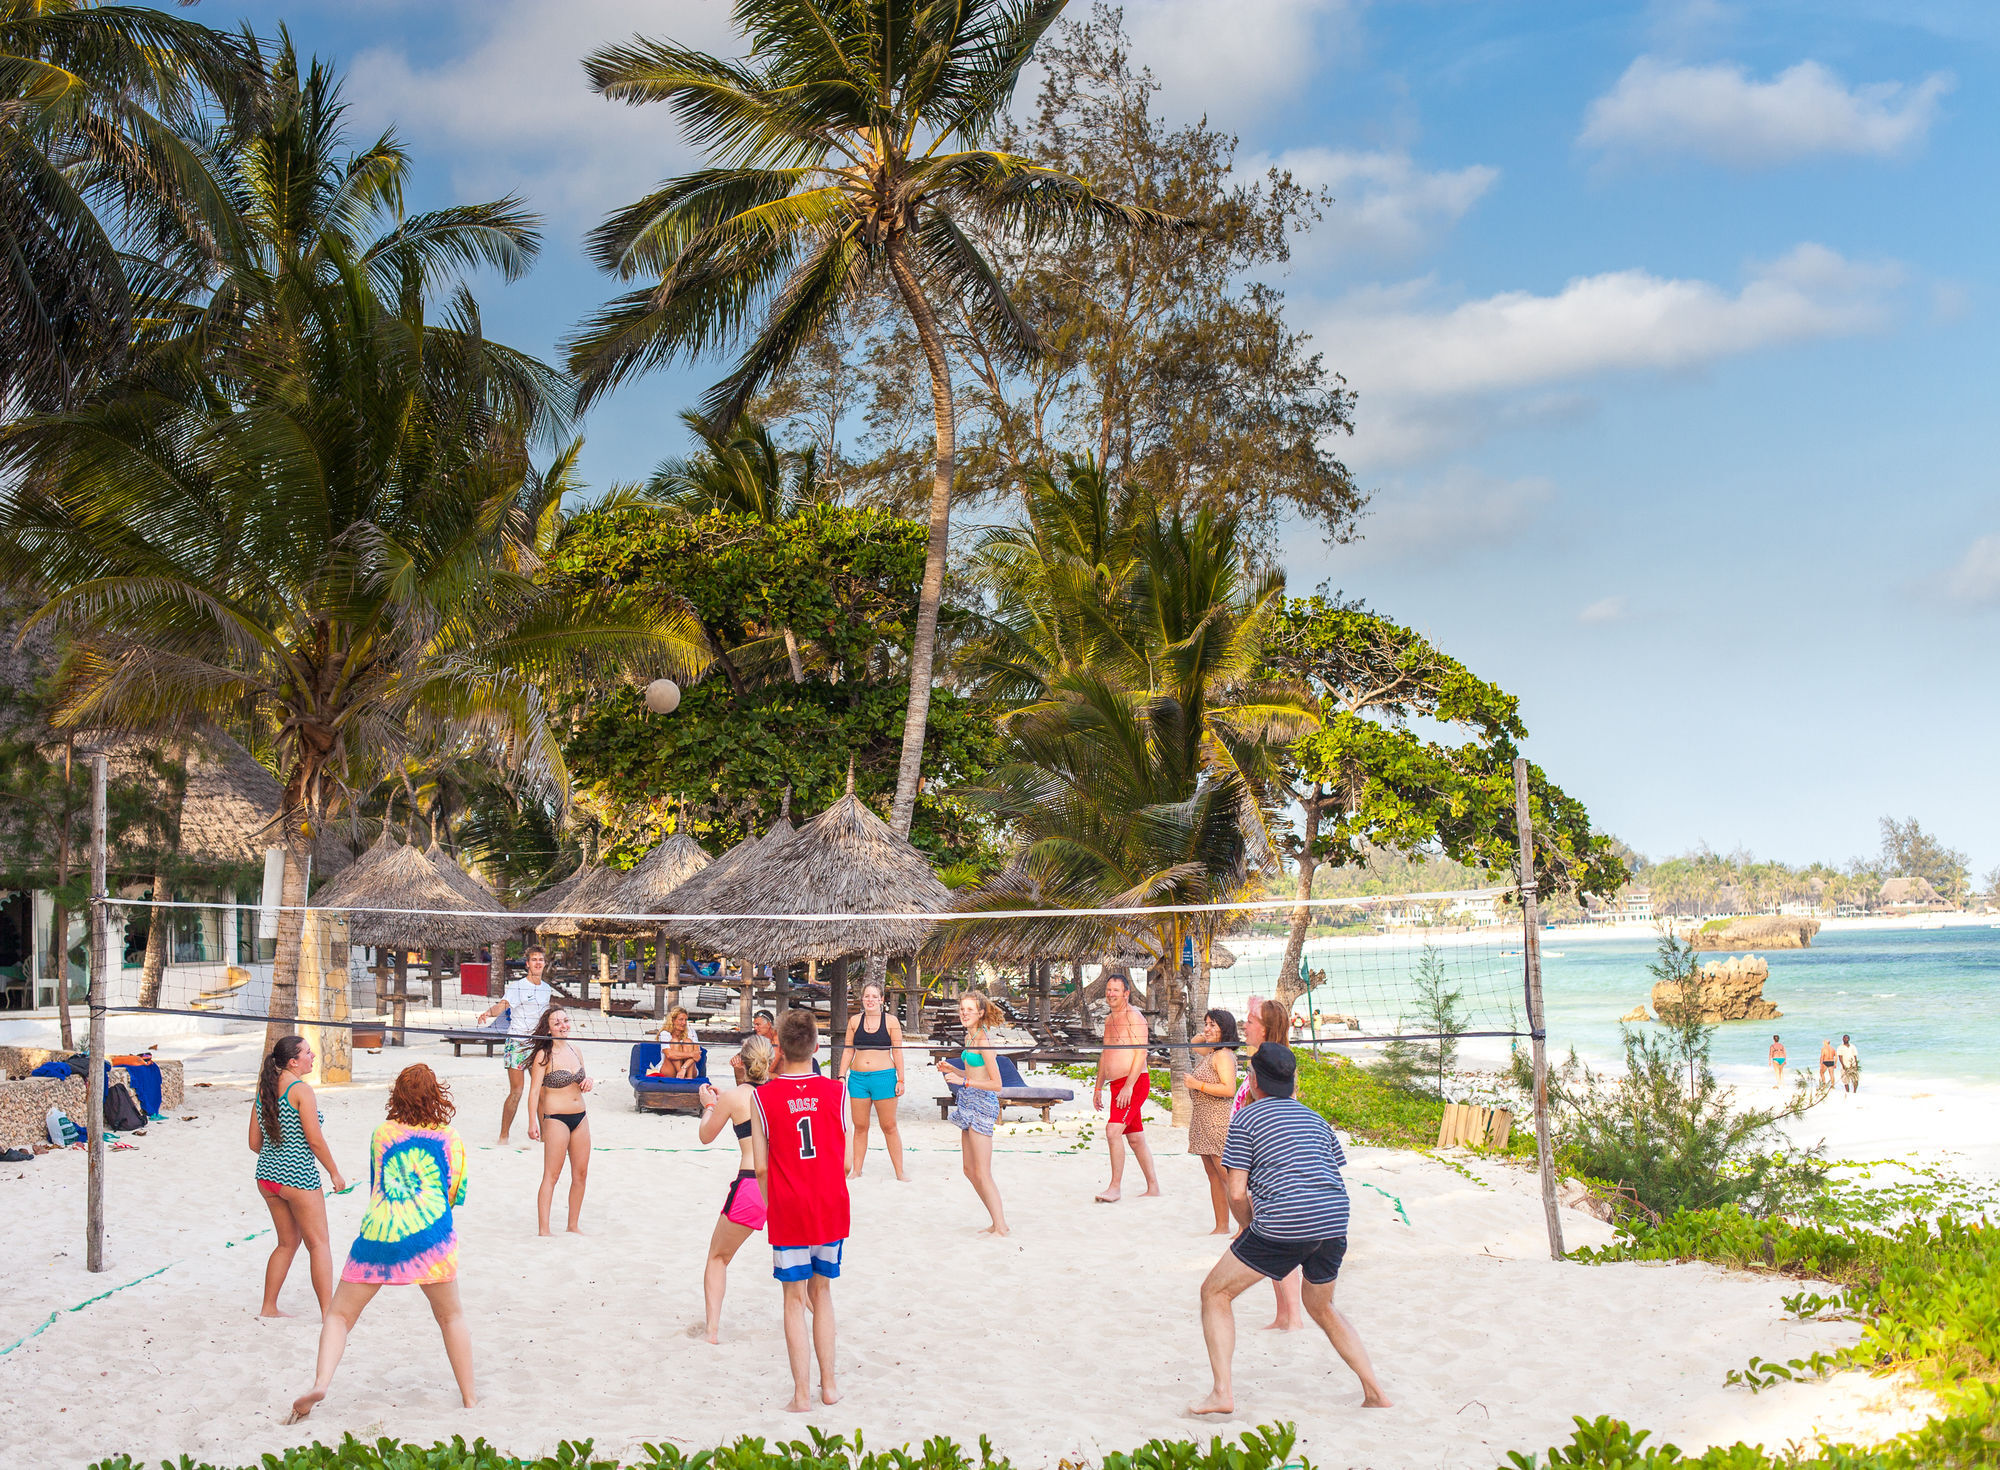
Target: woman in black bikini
{"points": [[556, 1115], [743, 1207], [872, 1065]]}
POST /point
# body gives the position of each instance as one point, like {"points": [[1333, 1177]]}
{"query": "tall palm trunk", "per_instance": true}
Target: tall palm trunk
{"points": [[923, 644], [1289, 988], [158, 923], [291, 944]]}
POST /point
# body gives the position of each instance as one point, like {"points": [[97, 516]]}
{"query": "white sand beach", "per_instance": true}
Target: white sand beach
{"points": [[1075, 1337]]}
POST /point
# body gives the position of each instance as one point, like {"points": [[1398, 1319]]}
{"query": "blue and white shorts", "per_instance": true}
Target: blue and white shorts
{"points": [[976, 1111], [800, 1262]]}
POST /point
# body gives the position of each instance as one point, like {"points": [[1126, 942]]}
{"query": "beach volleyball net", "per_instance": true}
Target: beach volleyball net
{"points": [[1371, 970]]}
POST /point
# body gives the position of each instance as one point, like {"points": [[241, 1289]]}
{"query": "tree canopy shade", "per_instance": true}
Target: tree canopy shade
{"points": [[1365, 780], [849, 158], [315, 502], [93, 162]]}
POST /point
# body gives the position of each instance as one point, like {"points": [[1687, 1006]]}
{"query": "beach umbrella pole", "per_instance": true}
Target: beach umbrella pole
{"points": [[1531, 964], [100, 962]]}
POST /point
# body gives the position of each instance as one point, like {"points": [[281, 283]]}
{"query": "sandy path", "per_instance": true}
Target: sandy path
{"points": [[1074, 1337]]}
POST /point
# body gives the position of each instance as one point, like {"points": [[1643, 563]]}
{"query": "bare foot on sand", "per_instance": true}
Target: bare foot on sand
{"points": [[1283, 1326], [1375, 1400], [578, 1230], [994, 1230], [1215, 1403], [1222, 1230], [1110, 1196], [799, 1405], [1152, 1191], [274, 1312], [544, 1234], [304, 1405], [828, 1395]]}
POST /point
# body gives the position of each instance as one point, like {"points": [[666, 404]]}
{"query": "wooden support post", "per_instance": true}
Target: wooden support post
{"points": [[1531, 962], [746, 982], [323, 995], [837, 1012], [812, 974], [100, 971], [399, 999], [913, 998], [382, 979], [673, 972], [660, 1006]]}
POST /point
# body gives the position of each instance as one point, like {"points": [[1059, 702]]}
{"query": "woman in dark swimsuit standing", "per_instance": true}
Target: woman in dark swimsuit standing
{"points": [[556, 1085], [743, 1207]]}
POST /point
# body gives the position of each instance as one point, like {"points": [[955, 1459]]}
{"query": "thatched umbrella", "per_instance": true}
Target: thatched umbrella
{"points": [[402, 878], [333, 894], [470, 884], [590, 893], [649, 888], [705, 890], [845, 861]]}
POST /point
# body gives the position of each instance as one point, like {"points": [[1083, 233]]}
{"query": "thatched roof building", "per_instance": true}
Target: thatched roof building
{"points": [[333, 893], [844, 861], [650, 885], [470, 884], [698, 894], [404, 878], [593, 892]]}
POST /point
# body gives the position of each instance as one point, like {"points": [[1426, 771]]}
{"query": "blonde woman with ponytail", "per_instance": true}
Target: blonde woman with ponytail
{"points": [[285, 1135], [743, 1207], [977, 1078]]}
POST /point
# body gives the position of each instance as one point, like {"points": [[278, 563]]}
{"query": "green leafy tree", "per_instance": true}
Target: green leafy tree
{"points": [[849, 157], [95, 164], [318, 504], [1424, 1060], [1365, 780]]}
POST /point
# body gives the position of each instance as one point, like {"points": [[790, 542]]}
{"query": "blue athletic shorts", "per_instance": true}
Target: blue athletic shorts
{"points": [[876, 1086], [798, 1262]]}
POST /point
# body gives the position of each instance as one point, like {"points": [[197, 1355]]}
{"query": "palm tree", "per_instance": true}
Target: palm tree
{"points": [[847, 152], [741, 470], [316, 502], [93, 99], [1146, 763]]}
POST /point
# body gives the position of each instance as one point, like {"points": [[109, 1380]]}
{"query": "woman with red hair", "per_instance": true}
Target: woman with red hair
{"points": [[416, 1176]]}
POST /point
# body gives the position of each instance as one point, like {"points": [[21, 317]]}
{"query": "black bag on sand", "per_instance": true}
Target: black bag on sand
{"points": [[122, 1112]]}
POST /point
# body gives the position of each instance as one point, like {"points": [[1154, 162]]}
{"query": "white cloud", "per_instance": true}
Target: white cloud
{"points": [[1724, 114], [1236, 61], [1604, 610], [514, 112], [1975, 581], [1431, 377], [1384, 204], [1457, 511]]}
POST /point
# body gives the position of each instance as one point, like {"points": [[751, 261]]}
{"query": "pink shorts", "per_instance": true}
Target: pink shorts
{"points": [[745, 1202]]}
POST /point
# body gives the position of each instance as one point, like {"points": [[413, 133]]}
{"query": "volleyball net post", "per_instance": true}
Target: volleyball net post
{"points": [[100, 967], [1531, 979]]}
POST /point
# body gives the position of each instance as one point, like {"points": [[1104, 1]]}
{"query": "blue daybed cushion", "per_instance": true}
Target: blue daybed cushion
{"points": [[646, 1056]]}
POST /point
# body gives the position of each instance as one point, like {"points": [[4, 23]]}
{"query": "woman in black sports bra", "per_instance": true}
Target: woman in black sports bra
{"points": [[743, 1206], [872, 1066], [556, 1116]]}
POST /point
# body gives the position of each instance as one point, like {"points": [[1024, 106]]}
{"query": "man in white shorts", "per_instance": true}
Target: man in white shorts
{"points": [[523, 1000]]}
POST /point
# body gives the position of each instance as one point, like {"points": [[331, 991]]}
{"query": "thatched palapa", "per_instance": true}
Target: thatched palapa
{"points": [[403, 878], [844, 861], [699, 893], [592, 893], [651, 884]]}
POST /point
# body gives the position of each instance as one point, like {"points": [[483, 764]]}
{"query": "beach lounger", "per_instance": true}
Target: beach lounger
{"points": [[664, 1094], [1015, 1093]]}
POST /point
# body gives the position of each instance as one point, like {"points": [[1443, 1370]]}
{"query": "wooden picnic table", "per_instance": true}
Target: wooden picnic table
{"points": [[459, 1040]]}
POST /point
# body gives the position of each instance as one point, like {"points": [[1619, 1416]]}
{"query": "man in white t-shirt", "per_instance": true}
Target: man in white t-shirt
{"points": [[1850, 1065], [524, 1000]]}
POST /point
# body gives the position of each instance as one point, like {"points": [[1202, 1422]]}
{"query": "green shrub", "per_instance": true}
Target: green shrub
{"points": [[1268, 1448]]}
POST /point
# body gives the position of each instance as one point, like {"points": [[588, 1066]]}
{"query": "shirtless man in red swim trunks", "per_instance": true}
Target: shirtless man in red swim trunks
{"points": [[1121, 1067]]}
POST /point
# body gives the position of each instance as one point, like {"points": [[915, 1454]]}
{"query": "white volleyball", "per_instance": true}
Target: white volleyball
{"points": [[663, 696]]}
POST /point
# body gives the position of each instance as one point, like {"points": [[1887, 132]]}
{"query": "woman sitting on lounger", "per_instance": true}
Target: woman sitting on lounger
{"points": [[743, 1207], [681, 1056]]}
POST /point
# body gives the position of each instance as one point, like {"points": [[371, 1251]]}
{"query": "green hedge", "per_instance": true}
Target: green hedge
{"points": [[1269, 1448]]}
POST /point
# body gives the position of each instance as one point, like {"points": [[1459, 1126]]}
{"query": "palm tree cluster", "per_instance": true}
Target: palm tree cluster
{"points": [[300, 495]]}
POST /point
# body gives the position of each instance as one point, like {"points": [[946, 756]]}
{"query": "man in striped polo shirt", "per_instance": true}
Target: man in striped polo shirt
{"points": [[1285, 1190]]}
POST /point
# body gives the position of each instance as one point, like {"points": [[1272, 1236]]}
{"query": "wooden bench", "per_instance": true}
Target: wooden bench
{"points": [[459, 1040], [1041, 1099]]}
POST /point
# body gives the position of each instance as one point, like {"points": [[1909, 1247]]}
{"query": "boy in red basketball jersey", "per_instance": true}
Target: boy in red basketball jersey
{"points": [[800, 1140]]}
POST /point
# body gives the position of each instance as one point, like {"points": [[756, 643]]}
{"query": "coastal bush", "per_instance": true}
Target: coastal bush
{"points": [[1667, 1130], [1268, 1448], [1423, 1063]]}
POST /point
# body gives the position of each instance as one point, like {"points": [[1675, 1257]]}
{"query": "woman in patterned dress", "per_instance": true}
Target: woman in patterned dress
{"points": [[285, 1133], [416, 1176], [1212, 1083]]}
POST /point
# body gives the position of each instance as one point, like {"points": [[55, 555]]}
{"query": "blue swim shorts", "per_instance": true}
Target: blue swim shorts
{"points": [[876, 1086], [799, 1262]]}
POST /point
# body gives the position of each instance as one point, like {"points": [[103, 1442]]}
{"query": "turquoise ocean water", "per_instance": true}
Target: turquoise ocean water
{"points": [[1921, 1004]]}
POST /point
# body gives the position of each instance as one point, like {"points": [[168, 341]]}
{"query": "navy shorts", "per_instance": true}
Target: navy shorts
{"points": [[1277, 1259]]}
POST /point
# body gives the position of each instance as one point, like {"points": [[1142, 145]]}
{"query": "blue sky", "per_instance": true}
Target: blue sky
{"points": [[1672, 324]]}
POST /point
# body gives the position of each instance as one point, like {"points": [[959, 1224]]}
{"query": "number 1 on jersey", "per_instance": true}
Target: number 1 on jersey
{"points": [[806, 1150]]}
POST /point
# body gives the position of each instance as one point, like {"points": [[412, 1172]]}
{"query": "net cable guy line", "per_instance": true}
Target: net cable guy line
{"points": [[943, 916]]}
